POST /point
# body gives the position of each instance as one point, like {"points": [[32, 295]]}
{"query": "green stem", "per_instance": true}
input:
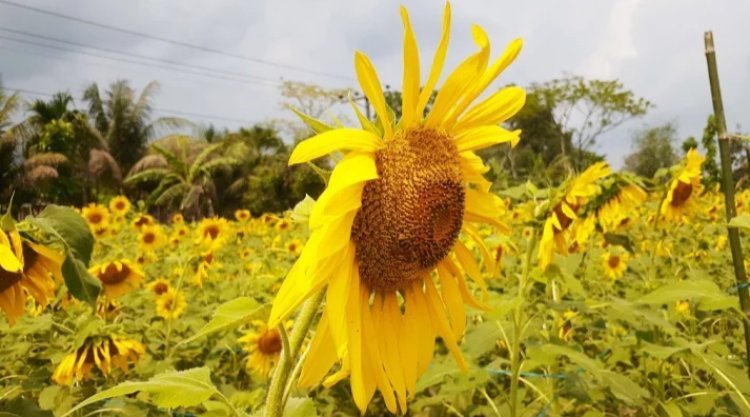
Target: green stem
{"points": [[276, 400], [515, 350], [728, 183]]}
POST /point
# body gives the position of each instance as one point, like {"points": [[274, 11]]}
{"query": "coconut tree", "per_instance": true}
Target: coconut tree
{"points": [[179, 171]]}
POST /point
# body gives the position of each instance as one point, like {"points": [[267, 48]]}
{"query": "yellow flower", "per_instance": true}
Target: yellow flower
{"points": [[103, 352], [246, 253], [684, 188], [391, 216], [142, 220], [107, 308], [721, 242], [96, 215], [100, 232], [615, 265], [170, 305], [565, 325], [283, 225], [176, 218], [682, 307], [151, 238], [26, 267], [616, 211], [263, 346], [212, 231], [119, 205], [206, 262], [242, 215], [118, 277], [294, 247], [577, 193], [159, 286]]}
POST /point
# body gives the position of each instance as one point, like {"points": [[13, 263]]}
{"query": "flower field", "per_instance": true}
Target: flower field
{"points": [[629, 309]]}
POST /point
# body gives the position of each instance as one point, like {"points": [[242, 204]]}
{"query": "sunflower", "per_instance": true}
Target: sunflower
{"points": [[615, 264], [102, 352], [212, 231], [177, 218], [294, 247], [119, 205], [118, 277], [107, 308], [152, 237], [96, 215], [577, 193], [682, 307], [283, 225], [684, 188], [565, 325], [207, 261], [159, 286], [616, 211], [242, 215], [170, 304], [263, 346], [26, 267], [391, 216], [142, 220], [246, 253]]}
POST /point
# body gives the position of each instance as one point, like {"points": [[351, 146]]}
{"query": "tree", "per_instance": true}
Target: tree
{"points": [[8, 158], [179, 172], [122, 120], [653, 150], [586, 109]]}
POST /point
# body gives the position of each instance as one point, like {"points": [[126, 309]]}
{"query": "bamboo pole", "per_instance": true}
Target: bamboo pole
{"points": [[728, 182]]}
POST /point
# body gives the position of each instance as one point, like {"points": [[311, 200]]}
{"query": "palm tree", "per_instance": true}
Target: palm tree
{"points": [[180, 172], [8, 105], [122, 120]]}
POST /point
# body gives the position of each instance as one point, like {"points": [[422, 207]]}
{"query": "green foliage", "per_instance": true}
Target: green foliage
{"points": [[653, 150]]}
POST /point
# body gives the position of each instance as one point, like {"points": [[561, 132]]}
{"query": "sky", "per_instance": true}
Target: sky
{"points": [[654, 47]]}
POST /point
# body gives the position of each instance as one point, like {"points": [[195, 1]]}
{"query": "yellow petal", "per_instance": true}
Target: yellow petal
{"points": [[372, 355], [410, 89], [453, 302], [336, 233], [494, 110], [424, 336], [469, 264], [387, 327], [337, 300], [8, 260], [362, 383], [484, 136], [355, 168], [334, 140], [320, 357], [368, 80], [437, 312], [437, 64]]}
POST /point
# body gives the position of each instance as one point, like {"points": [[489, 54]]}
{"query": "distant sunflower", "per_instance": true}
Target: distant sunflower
{"points": [[212, 231], [615, 264], [151, 238], [170, 304], [26, 267], [119, 205], [102, 352], [684, 188], [263, 346], [177, 218], [294, 247], [118, 277], [614, 212], [242, 215], [578, 191], [391, 216], [283, 225], [159, 286], [142, 220], [207, 261], [246, 253], [96, 215]]}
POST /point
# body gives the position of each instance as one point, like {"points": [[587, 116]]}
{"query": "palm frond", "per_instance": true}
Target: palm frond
{"points": [[153, 174], [101, 161], [148, 162]]}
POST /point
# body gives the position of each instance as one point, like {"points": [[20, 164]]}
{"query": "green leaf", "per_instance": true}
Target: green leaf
{"points": [[81, 284], [742, 222], [299, 407], [623, 387], [231, 313], [671, 409], [316, 125], [619, 240], [659, 351], [168, 390], [302, 210], [702, 290], [48, 397], [577, 357], [70, 227]]}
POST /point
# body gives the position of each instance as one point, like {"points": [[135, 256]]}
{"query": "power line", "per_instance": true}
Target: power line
{"points": [[255, 80], [113, 51], [160, 110], [175, 42]]}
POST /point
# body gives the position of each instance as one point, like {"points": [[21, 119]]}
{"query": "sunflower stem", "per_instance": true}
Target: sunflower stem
{"points": [[276, 398], [728, 183], [515, 351]]}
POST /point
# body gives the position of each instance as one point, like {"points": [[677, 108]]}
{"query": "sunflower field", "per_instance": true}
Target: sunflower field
{"points": [[412, 285]]}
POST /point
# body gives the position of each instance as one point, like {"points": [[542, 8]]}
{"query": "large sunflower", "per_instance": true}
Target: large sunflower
{"points": [[101, 352], [388, 224], [684, 188], [26, 267]]}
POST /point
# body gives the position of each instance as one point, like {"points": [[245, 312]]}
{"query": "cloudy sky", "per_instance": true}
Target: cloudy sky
{"points": [[655, 47]]}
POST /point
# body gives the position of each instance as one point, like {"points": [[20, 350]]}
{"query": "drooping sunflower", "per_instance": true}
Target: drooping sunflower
{"points": [[263, 346], [577, 193], [118, 277], [119, 205], [615, 264], [389, 221], [170, 304], [615, 212], [104, 352], [142, 220], [684, 188], [96, 215], [26, 267]]}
